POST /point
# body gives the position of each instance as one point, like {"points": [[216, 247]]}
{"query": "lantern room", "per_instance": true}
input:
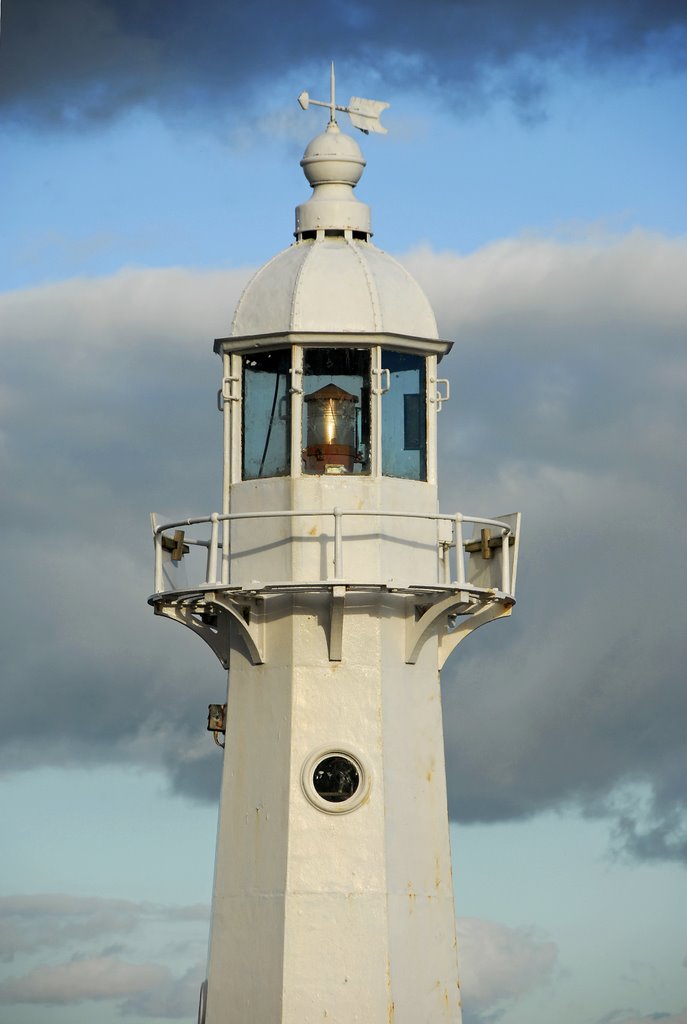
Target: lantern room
{"points": [[342, 411], [331, 366]]}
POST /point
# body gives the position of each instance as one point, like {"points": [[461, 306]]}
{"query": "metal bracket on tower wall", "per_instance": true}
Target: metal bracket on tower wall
{"points": [[422, 621], [450, 638], [336, 621], [211, 618]]}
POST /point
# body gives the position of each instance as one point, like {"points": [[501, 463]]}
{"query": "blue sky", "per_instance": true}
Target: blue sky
{"points": [[165, 194], [533, 181]]}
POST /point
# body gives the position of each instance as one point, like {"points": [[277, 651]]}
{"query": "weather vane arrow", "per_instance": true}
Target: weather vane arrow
{"points": [[364, 114]]}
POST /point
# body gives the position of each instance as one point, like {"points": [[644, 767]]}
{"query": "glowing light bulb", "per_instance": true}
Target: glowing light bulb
{"points": [[329, 423]]}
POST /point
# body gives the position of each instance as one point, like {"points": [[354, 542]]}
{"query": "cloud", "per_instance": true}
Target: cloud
{"points": [[78, 925], [76, 62], [634, 1017], [569, 378], [649, 828], [174, 999], [104, 977], [32, 922], [499, 965], [586, 286], [129, 365], [141, 990], [59, 920]]}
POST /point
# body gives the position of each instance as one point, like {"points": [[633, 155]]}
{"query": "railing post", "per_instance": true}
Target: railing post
{"points": [[444, 545], [158, 582], [460, 550], [338, 545], [211, 572], [505, 562], [226, 552]]}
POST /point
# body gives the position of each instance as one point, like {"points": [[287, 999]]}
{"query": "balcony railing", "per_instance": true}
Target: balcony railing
{"points": [[490, 537]]}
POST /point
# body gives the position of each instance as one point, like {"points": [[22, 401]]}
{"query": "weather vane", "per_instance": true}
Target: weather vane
{"points": [[364, 114]]}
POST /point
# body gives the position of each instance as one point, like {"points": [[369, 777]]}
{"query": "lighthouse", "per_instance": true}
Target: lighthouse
{"points": [[332, 590]]}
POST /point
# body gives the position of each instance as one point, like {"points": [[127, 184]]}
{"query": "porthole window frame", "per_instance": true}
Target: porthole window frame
{"points": [[358, 798]]}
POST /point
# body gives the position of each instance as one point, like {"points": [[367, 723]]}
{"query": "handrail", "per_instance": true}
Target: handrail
{"points": [[214, 545]]}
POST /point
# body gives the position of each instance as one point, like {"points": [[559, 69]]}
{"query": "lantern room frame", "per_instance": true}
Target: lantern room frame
{"points": [[232, 351]]}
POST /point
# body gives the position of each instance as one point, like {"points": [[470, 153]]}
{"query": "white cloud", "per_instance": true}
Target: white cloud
{"points": [[104, 977], [500, 964], [76, 321], [559, 291], [59, 920], [174, 999], [79, 926]]}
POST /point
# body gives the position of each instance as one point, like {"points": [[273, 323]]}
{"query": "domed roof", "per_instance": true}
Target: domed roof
{"points": [[334, 284], [333, 279]]}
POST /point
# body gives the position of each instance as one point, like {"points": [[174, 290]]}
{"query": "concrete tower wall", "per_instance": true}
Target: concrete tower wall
{"points": [[327, 915]]}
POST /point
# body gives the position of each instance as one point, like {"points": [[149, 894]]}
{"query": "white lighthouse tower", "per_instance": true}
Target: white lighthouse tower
{"points": [[332, 590]]}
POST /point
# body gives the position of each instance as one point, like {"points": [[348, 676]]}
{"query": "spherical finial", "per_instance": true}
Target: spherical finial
{"points": [[333, 158]]}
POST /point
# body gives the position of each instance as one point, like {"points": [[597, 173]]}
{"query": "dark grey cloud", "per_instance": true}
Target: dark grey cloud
{"points": [[571, 406], [83, 472], [657, 831], [80, 62]]}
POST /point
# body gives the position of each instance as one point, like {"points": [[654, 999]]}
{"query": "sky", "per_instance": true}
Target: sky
{"points": [[533, 181]]}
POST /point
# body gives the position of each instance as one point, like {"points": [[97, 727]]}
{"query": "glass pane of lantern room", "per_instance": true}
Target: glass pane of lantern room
{"points": [[404, 417], [336, 410], [266, 414]]}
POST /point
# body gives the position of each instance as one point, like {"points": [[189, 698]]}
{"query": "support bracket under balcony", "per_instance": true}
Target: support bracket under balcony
{"points": [[423, 620], [336, 621], [211, 616], [450, 638]]}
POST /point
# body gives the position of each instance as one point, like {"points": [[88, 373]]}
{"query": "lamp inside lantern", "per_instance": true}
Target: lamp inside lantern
{"points": [[331, 431]]}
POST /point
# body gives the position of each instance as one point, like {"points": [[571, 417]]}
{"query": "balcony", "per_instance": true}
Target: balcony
{"points": [[469, 570]]}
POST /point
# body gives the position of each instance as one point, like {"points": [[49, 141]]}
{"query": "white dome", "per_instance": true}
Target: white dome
{"points": [[333, 280], [334, 284]]}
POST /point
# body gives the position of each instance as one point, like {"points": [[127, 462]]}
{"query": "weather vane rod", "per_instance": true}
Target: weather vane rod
{"points": [[364, 114]]}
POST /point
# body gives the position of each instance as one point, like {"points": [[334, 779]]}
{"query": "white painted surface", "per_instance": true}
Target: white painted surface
{"points": [[344, 916], [328, 916], [302, 550], [364, 113], [334, 284]]}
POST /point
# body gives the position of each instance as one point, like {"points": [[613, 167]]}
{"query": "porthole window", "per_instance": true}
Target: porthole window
{"points": [[335, 781], [336, 778]]}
